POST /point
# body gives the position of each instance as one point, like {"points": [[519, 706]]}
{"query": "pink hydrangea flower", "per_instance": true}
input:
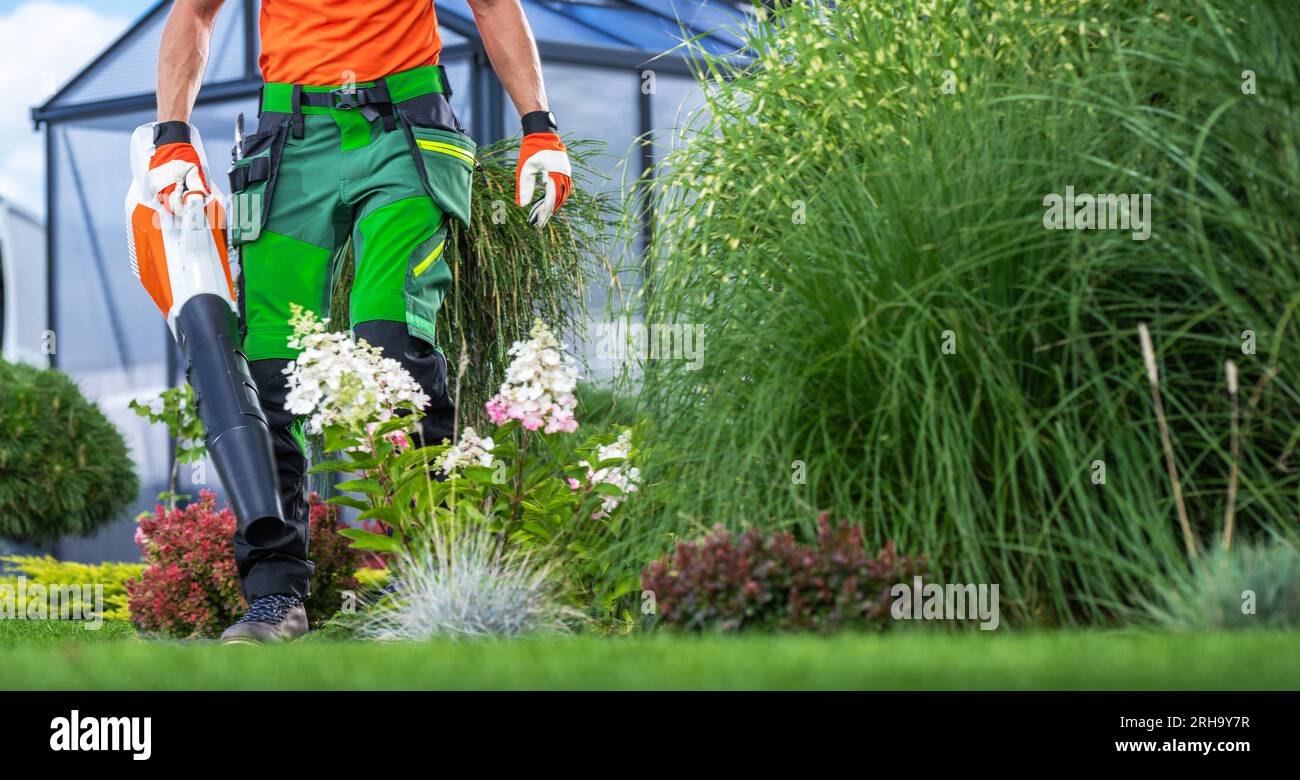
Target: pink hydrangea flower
{"points": [[538, 391]]}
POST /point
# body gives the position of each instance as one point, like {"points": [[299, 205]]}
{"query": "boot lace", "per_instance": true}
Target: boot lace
{"points": [[270, 609]]}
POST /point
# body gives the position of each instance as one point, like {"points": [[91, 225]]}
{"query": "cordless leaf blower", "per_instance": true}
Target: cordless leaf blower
{"points": [[182, 261]]}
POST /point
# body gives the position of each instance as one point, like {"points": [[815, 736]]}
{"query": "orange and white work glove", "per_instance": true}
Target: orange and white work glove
{"points": [[542, 152], [174, 169]]}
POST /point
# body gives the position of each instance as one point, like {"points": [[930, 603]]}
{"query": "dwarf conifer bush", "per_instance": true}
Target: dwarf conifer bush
{"points": [[64, 467], [891, 331]]}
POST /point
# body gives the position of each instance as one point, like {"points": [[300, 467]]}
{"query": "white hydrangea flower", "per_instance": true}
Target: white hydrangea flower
{"points": [[471, 450], [622, 476], [336, 381]]}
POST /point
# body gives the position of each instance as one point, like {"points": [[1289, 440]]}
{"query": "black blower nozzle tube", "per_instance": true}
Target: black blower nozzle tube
{"points": [[235, 428]]}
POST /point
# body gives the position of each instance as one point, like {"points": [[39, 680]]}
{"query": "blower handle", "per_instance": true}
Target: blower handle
{"points": [[199, 259]]}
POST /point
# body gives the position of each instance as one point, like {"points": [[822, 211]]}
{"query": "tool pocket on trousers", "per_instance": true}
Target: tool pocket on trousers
{"points": [[428, 278], [252, 182], [445, 161]]}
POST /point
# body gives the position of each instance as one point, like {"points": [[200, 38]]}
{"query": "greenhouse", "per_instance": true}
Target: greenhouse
{"points": [[615, 72]]}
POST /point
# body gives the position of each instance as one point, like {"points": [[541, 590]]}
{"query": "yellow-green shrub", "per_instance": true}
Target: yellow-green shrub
{"points": [[372, 579], [46, 570]]}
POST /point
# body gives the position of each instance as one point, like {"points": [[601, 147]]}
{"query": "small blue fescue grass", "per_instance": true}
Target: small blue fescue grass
{"points": [[461, 584], [1248, 586]]}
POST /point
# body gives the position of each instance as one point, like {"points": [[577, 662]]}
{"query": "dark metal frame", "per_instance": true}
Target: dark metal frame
{"points": [[51, 176]]}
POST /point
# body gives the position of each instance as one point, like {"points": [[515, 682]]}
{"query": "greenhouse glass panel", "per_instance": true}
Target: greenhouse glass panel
{"points": [[717, 19], [600, 104], [548, 26], [216, 124], [109, 337], [595, 104], [449, 37], [640, 29], [131, 67], [226, 51], [674, 106], [460, 73]]}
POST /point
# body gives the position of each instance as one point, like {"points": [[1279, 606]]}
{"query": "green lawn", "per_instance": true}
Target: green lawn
{"points": [[63, 656]]}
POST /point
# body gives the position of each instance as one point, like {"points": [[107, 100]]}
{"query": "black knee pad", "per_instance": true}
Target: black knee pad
{"points": [[425, 364]]}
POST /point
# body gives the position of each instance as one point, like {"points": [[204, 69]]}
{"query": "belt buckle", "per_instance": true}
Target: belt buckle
{"points": [[345, 97]]}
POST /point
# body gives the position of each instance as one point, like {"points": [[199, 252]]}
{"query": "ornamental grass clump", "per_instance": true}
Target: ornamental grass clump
{"points": [[462, 584], [1239, 588], [856, 223], [506, 272]]}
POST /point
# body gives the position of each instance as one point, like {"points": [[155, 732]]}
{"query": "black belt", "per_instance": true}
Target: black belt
{"points": [[373, 103]]}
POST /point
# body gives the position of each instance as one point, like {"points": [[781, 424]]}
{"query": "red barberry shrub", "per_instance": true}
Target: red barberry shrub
{"points": [[771, 582], [190, 586]]}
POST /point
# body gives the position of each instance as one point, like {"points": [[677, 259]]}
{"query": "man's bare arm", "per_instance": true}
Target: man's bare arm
{"points": [[183, 55], [508, 40], [509, 43]]}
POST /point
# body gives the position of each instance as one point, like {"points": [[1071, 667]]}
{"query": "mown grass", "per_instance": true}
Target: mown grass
{"points": [[900, 661], [29, 632], [893, 336]]}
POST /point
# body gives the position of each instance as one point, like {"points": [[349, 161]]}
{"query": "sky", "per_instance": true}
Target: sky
{"points": [[43, 43]]}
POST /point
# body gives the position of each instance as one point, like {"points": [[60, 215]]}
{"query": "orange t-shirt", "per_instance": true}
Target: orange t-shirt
{"points": [[327, 42]]}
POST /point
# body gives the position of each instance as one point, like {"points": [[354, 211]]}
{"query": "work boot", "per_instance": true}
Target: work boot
{"points": [[269, 619]]}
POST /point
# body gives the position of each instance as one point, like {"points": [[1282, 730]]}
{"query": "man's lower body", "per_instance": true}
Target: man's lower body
{"points": [[381, 168]]}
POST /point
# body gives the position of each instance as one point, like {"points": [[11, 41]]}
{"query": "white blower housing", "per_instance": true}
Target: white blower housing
{"points": [[176, 257]]}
